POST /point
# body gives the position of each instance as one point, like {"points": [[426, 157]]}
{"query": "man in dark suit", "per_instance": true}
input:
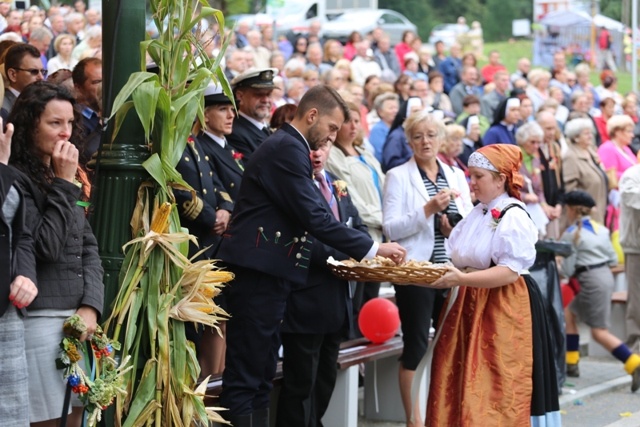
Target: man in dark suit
{"points": [[23, 66], [252, 90], [278, 216], [219, 113], [318, 316]]}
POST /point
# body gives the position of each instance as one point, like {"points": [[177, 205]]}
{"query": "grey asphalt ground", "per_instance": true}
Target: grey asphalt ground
{"points": [[601, 397]]}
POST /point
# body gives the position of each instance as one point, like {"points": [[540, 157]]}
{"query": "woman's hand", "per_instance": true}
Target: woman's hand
{"points": [[445, 226], [453, 277], [5, 143], [437, 203], [64, 160], [90, 317], [222, 221], [22, 291]]}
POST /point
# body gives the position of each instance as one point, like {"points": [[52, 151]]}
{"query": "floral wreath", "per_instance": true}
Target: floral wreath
{"points": [[341, 188], [99, 393]]}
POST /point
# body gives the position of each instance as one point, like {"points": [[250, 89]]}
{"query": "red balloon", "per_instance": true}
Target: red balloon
{"points": [[379, 320]]}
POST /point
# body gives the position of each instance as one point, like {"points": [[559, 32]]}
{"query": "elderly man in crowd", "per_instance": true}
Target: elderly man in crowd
{"points": [[491, 100], [467, 86], [363, 65], [314, 59], [259, 53]]}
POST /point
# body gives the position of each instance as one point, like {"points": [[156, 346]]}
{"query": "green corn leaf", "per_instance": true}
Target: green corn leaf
{"points": [[145, 99], [144, 395], [120, 115], [153, 165], [135, 80]]}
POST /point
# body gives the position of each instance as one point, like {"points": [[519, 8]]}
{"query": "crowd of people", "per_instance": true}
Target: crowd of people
{"points": [[351, 150]]}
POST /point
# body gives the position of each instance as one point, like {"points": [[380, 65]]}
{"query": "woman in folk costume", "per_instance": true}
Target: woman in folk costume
{"points": [[492, 360]]}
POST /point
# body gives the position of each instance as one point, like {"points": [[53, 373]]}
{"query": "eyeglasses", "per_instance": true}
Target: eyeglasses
{"points": [[33, 71]]}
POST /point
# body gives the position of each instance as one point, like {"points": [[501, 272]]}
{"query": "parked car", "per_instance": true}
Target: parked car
{"points": [[447, 33], [364, 21]]}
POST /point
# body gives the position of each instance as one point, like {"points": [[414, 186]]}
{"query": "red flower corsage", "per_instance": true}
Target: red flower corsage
{"points": [[237, 155], [495, 216]]}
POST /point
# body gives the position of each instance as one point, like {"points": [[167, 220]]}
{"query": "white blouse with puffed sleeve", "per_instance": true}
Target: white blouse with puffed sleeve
{"points": [[478, 239]]}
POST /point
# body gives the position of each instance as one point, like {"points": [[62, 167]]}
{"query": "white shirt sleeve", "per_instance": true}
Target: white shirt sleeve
{"points": [[513, 245]]}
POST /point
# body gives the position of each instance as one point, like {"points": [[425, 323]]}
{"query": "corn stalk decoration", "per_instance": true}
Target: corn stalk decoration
{"points": [[159, 287]]}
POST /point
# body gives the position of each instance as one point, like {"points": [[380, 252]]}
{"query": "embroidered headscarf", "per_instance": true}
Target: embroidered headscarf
{"points": [[501, 158]]}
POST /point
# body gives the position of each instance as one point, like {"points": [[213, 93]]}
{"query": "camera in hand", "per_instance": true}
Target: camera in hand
{"points": [[453, 217]]}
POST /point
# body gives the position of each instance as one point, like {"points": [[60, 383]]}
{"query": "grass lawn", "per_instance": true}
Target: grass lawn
{"points": [[510, 52]]}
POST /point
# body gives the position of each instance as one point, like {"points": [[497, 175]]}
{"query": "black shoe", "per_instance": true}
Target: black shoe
{"points": [[573, 370], [635, 380]]}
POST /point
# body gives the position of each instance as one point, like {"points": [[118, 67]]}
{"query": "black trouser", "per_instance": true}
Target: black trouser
{"points": [[310, 370], [256, 303]]}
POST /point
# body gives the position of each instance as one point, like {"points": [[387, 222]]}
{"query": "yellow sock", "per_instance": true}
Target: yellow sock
{"points": [[632, 363], [573, 357]]}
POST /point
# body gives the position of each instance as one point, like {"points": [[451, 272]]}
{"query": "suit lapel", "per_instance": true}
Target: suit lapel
{"points": [[224, 155]]}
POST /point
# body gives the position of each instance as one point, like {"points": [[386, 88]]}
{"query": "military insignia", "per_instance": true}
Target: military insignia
{"points": [[192, 208], [267, 75]]}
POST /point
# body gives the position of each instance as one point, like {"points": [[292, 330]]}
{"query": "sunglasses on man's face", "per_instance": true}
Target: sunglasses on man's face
{"points": [[33, 71]]}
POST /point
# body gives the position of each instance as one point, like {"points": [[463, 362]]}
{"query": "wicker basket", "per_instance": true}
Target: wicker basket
{"points": [[397, 275]]}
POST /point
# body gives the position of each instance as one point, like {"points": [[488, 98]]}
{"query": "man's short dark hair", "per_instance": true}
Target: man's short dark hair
{"points": [[323, 98], [78, 75], [17, 52]]}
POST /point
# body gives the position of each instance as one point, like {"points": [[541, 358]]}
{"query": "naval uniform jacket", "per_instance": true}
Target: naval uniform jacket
{"points": [[198, 211], [279, 213], [221, 160], [245, 137], [321, 305]]}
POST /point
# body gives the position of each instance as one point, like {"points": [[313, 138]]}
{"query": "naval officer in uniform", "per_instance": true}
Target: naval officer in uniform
{"points": [[212, 135], [252, 90]]}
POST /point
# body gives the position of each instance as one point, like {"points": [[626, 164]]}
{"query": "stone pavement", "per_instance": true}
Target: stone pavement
{"points": [[600, 397]]}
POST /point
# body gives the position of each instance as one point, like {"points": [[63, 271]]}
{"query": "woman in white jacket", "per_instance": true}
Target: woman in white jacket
{"points": [[423, 199]]}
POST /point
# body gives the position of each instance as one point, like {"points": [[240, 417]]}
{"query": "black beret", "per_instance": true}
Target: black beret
{"points": [[579, 198]]}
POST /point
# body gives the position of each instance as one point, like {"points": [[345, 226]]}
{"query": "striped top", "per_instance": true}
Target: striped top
{"points": [[439, 252]]}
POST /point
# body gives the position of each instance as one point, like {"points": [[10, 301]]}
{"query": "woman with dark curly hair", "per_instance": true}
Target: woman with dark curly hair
{"points": [[68, 267]]}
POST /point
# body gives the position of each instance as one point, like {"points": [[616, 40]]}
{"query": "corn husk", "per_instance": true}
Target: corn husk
{"points": [[161, 289]]}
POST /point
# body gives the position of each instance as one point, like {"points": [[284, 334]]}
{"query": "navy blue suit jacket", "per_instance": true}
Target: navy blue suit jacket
{"points": [[279, 213], [321, 305], [245, 137]]}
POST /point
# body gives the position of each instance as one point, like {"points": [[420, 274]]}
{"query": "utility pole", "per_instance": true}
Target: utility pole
{"points": [[118, 165]]}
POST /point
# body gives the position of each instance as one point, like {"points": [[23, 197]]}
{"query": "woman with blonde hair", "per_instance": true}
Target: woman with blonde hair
{"points": [[538, 90], [616, 154], [452, 147], [63, 45], [332, 52]]}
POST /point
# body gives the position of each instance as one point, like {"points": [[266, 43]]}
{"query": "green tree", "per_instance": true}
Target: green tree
{"points": [[417, 11]]}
